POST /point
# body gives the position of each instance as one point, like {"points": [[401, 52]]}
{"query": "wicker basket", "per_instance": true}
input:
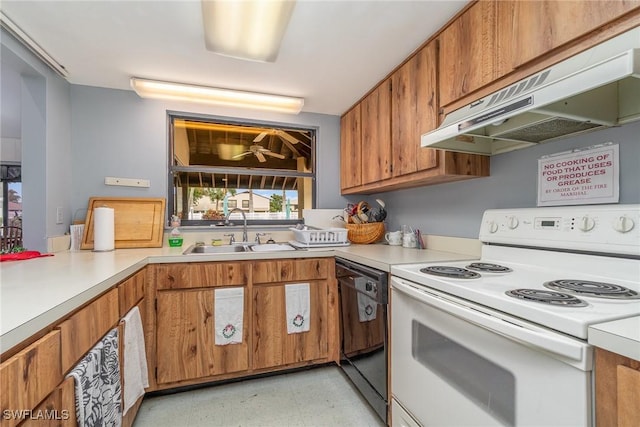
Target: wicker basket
{"points": [[365, 233]]}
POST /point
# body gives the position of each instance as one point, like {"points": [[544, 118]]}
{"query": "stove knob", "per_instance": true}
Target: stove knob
{"points": [[512, 222], [586, 223], [493, 227], [623, 224]]}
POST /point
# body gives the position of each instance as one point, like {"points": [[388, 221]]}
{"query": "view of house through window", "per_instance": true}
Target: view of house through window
{"points": [[265, 170]]}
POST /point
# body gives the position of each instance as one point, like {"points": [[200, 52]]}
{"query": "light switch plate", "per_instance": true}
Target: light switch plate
{"points": [[127, 182], [59, 215]]}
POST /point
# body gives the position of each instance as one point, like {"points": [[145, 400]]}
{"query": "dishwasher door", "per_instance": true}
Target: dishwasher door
{"points": [[363, 323]]}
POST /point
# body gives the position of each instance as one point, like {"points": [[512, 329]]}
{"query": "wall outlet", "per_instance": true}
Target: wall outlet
{"points": [[59, 215], [127, 182]]}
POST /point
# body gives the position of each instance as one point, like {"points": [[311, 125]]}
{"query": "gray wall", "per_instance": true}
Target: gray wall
{"points": [[455, 209], [116, 133], [46, 145]]}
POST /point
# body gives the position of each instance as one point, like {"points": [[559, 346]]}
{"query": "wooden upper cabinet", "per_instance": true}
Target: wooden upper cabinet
{"points": [[350, 149], [467, 56], [376, 134], [541, 26], [414, 111]]}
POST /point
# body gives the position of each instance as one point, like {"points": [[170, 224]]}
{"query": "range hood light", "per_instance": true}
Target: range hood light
{"points": [[216, 96]]}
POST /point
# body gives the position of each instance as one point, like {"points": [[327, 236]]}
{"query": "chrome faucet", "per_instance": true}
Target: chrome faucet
{"points": [[245, 238]]}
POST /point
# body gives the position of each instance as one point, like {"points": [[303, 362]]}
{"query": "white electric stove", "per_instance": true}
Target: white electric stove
{"points": [[544, 276]]}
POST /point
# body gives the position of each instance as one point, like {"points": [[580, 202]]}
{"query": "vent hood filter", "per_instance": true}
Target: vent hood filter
{"points": [[597, 88]]}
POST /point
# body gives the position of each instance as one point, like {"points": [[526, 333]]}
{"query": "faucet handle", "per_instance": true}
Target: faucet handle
{"points": [[232, 238], [258, 235]]}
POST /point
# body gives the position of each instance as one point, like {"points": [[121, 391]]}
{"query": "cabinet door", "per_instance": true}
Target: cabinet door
{"points": [[201, 275], [617, 383], [28, 377], [80, 332], [467, 52], [57, 410], [376, 134], [186, 343], [542, 25], [131, 291], [272, 345], [414, 111], [350, 149]]}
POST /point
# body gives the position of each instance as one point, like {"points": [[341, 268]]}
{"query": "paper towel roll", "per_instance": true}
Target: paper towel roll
{"points": [[103, 229]]}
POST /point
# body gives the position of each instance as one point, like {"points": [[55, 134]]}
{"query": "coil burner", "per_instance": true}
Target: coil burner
{"points": [[488, 267], [547, 297], [451, 272], [587, 288]]}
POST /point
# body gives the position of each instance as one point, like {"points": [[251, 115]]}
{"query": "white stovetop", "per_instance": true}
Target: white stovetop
{"points": [[531, 269]]}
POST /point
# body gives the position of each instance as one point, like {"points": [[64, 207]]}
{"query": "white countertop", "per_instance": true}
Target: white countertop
{"points": [[618, 336], [38, 292]]}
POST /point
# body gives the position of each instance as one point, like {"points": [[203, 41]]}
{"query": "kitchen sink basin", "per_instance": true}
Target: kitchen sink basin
{"points": [[272, 247], [238, 247], [208, 249]]}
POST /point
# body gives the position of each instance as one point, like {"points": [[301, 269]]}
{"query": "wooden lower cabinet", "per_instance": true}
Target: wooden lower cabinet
{"points": [[186, 338], [272, 345], [184, 350], [617, 390]]}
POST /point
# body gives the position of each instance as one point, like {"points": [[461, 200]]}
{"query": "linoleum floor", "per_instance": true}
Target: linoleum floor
{"points": [[311, 398]]}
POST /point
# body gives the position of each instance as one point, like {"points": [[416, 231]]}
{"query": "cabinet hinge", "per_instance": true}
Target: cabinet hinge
{"points": [[155, 303], [156, 370]]}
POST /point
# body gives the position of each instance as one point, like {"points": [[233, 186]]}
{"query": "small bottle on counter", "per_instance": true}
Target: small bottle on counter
{"points": [[175, 236]]}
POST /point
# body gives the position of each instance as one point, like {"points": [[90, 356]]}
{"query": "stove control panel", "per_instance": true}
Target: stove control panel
{"points": [[593, 228]]}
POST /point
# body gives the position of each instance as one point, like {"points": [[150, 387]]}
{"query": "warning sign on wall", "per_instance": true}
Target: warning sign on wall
{"points": [[579, 177]]}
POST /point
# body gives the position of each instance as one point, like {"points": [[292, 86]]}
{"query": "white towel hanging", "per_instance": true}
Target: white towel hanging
{"points": [[367, 306], [298, 307], [229, 312], [136, 377]]}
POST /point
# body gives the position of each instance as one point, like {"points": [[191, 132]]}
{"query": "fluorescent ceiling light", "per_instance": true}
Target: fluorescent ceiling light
{"points": [[210, 95], [248, 29]]}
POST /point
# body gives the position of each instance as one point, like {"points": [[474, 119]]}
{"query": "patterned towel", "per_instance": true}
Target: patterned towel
{"points": [[97, 380]]}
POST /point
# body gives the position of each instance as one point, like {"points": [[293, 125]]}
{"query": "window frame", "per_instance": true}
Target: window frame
{"points": [[171, 168]]}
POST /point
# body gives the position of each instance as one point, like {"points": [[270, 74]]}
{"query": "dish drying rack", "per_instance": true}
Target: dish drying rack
{"points": [[311, 237]]}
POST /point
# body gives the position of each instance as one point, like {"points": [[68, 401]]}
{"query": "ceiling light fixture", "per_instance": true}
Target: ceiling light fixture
{"points": [[210, 95], [251, 29]]}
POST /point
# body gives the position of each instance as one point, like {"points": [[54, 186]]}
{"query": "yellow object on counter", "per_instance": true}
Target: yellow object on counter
{"points": [[216, 242]]}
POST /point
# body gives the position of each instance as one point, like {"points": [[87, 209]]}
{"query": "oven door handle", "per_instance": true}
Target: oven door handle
{"points": [[550, 343]]}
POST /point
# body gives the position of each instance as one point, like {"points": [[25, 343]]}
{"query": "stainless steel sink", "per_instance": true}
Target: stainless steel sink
{"points": [[272, 247], [208, 249], [238, 247]]}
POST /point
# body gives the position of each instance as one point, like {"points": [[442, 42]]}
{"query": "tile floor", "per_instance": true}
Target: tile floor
{"points": [[312, 398]]}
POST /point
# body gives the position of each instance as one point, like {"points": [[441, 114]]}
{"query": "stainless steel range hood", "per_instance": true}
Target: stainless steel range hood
{"points": [[597, 88]]}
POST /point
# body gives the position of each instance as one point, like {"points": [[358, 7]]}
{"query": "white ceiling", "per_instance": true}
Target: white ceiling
{"points": [[332, 53]]}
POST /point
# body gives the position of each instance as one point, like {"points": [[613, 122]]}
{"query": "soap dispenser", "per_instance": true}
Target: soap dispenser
{"points": [[175, 236]]}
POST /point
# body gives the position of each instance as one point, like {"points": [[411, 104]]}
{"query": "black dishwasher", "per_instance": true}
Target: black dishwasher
{"points": [[364, 296]]}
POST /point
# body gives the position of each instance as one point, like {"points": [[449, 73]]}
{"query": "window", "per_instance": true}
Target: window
{"points": [[11, 200], [218, 165]]}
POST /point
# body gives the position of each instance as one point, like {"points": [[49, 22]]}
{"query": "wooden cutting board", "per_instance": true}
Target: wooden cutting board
{"points": [[138, 222]]}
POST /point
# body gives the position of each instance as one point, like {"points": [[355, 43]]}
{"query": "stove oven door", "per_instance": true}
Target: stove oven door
{"points": [[457, 364]]}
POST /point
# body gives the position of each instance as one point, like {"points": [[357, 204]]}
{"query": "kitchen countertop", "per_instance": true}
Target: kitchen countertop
{"points": [[38, 292], [618, 336]]}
